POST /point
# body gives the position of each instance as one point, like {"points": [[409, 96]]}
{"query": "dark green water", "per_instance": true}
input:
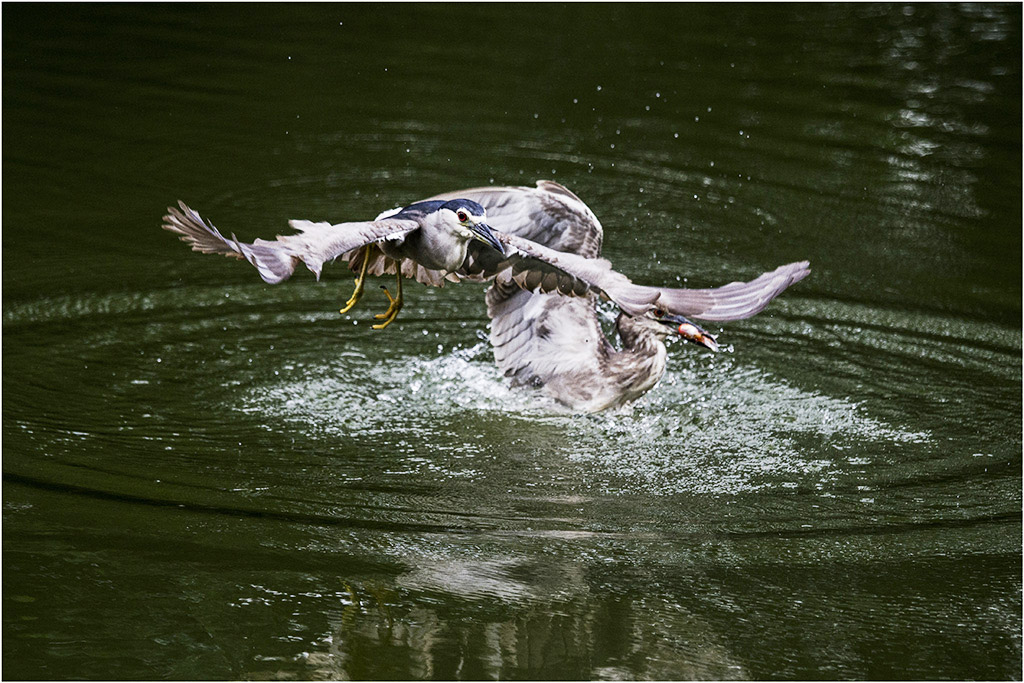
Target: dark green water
{"points": [[209, 477]]}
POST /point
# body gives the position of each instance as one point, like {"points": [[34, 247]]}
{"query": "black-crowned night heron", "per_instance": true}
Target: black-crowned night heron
{"points": [[541, 247]]}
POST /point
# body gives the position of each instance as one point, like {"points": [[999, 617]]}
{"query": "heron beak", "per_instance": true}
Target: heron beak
{"points": [[483, 232], [690, 331]]}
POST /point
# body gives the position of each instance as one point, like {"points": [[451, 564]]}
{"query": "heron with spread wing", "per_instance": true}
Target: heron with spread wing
{"points": [[541, 248]]}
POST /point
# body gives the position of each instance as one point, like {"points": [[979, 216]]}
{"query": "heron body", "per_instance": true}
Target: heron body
{"points": [[560, 350], [540, 247]]}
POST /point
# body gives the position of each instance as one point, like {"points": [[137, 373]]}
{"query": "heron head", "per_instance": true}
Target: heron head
{"points": [[467, 215], [687, 329]]}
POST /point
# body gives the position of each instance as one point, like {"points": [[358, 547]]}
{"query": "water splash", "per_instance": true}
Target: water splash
{"points": [[711, 426], [722, 428]]}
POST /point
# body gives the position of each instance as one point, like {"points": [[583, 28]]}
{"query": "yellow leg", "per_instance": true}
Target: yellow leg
{"points": [[395, 306], [349, 612], [357, 293]]}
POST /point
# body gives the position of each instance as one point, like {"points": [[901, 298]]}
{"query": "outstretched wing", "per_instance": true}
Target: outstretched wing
{"points": [[547, 214], [734, 301], [552, 240], [552, 216], [536, 268], [314, 244]]}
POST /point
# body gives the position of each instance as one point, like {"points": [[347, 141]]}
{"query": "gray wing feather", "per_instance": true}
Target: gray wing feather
{"points": [[319, 243], [539, 338], [314, 245], [734, 301], [552, 216], [548, 214], [537, 268]]}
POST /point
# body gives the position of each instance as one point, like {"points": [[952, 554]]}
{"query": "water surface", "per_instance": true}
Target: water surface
{"points": [[208, 477]]}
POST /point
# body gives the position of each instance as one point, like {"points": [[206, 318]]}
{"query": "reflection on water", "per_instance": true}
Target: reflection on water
{"points": [[653, 640], [208, 477]]}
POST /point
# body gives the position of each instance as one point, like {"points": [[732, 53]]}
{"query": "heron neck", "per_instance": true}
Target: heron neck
{"points": [[433, 247], [641, 362]]}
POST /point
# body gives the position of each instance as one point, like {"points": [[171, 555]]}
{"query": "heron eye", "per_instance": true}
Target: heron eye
{"points": [[659, 313], [462, 216]]}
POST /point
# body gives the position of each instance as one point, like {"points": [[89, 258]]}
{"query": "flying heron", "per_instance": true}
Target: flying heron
{"points": [[541, 248]]}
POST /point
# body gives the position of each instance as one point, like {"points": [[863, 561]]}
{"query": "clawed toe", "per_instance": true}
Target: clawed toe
{"points": [[394, 306]]}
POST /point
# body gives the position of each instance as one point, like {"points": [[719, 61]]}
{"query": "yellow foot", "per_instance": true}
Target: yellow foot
{"points": [[394, 307], [357, 293]]}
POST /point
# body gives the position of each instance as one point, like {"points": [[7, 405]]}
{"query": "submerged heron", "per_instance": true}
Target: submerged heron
{"points": [[540, 247]]}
